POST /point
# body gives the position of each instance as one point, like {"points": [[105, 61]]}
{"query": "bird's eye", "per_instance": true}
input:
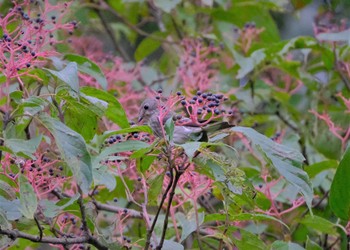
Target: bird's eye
{"points": [[146, 107]]}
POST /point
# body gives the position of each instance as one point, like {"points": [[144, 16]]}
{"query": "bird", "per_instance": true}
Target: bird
{"points": [[149, 114]]}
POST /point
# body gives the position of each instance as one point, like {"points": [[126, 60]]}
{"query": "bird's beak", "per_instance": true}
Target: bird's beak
{"points": [[140, 119]]}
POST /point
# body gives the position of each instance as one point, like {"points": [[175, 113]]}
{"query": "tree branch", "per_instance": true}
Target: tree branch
{"points": [[109, 208]]}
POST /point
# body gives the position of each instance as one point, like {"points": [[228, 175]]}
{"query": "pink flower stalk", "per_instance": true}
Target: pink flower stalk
{"points": [[29, 43], [342, 134], [281, 81], [247, 35], [327, 23], [200, 110], [43, 174], [119, 75], [196, 70], [114, 68], [346, 101], [69, 224], [276, 210], [193, 185], [204, 108]]}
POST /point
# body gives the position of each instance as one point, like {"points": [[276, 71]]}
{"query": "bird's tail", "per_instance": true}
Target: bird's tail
{"points": [[213, 127]]}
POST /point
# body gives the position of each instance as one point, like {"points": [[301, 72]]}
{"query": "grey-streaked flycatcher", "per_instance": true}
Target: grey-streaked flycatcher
{"points": [[150, 114]]}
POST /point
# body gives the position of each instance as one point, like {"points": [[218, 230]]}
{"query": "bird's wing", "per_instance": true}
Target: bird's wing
{"points": [[183, 134]]}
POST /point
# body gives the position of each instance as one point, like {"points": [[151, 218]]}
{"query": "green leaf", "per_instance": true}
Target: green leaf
{"points": [[190, 148], [141, 152], [7, 191], [326, 143], [73, 149], [243, 217], [102, 176], [172, 245], [155, 188], [286, 160], [68, 75], [4, 222], [310, 245], [342, 36], [247, 64], [51, 208], [114, 110], [248, 241], [143, 128], [166, 5], [146, 47], [221, 176], [282, 245], [80, 117], [169, 128], [10, 208], [27, 108], [33, 105], [145, 162], [88, 67], [188, 223], [119, 147], [319, 224], [339, 197], [254, 11], [23, 147], [318, 167], [299, 4], [224, 171], [28, 200]]}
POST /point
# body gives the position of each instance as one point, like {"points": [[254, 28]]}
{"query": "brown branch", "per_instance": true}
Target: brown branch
{"points": [[165, 194], [82, 212], [39, 227], [337, 67], [110, 33], [131, 26], [14, 234], [171, 196], [109, 208], [93, 241], [60, 113]]}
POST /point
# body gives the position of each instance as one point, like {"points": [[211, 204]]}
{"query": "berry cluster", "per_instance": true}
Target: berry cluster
{"points": [[197, 68], [247, 35], [44, 174], [26, 45], [203, 108]]}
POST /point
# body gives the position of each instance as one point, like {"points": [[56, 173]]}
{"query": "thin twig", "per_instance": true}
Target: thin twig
{"points": [[285, 121], [338, 69], [39, 227], [171, 196], [165, 194], [5, 121], [82, 212], [14, 234], [161, 79], [131, 212], [110, 33], [60, 113], [297, 130], [135, 28], [178, 31]]}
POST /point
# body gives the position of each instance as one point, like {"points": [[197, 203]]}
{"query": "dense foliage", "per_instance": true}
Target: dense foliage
{"points": [[81, 170]]}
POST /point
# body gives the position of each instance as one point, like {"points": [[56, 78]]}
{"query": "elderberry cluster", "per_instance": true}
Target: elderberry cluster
{"points": [[204, 106], [27, 44], [138, 136]]}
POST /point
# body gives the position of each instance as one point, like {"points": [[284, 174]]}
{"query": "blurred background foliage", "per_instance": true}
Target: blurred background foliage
{"points": [[284, 65]]}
